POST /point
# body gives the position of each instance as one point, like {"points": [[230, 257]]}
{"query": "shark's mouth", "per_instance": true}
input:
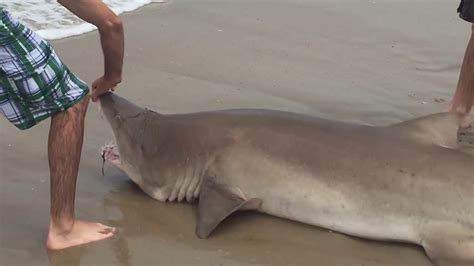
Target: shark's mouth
{"points": [[110, 153]]}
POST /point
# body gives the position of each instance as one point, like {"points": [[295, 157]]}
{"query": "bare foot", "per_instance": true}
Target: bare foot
{"points": [[465, 121], [81, 233], [463, 114]]}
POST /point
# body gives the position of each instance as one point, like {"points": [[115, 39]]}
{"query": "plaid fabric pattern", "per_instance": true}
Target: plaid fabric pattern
{"points": [[34, 83]]}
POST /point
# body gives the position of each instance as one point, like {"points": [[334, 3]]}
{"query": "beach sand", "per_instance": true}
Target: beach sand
{"points": [[373, 61]]}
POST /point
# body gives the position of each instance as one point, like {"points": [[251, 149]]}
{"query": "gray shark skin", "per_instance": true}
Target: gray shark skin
{"points": [[403, 183]]}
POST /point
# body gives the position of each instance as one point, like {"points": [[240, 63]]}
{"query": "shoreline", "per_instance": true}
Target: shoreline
{"points": [[55, 34]]}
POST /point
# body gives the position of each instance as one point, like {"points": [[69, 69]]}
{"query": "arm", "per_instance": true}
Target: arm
{"points": [[111, 36]]}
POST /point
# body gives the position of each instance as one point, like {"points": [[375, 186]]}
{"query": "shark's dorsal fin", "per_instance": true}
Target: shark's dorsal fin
{"points": [[439, 129], [216, 203]]}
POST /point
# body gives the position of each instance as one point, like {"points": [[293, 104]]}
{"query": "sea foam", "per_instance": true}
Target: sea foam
{"points": [[52, 21]]}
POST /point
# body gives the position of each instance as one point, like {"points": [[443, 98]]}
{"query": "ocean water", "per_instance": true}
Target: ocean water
{"points": [[52, 21]]}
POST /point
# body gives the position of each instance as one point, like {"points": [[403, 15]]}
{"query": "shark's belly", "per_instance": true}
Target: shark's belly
{"points": [[333, 208], [345, 203]]}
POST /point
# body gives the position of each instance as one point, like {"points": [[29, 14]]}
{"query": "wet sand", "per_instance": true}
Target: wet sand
{"points": [[374, 62]]}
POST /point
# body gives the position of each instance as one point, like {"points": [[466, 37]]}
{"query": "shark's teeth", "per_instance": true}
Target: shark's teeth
{"points": [[109, 149], [109, 145]]}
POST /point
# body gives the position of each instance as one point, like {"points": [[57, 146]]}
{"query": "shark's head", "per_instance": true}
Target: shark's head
{"points": [[127, 121], [118, 110], [138, 137]]}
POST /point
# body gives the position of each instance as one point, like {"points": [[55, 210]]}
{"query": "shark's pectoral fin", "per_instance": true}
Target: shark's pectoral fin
{"points": [[216, 203], [449, 244], [439, 129]]}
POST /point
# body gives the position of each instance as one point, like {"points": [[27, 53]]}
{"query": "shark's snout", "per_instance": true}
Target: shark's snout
{"points": [[114, 106], [105, 98], [107, 106]]}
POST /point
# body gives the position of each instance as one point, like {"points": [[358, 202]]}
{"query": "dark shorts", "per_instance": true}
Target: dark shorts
{"points": [[466, 10]]}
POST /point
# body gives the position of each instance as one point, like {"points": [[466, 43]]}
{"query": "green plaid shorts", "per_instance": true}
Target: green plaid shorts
{"points": [[34, 82]]}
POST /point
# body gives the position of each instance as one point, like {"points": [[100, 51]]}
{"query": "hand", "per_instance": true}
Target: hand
{"points": [[102, 85]]}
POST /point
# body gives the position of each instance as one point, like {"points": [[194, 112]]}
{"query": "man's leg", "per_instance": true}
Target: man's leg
{"points": [[64, 153], [463, 99]]}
